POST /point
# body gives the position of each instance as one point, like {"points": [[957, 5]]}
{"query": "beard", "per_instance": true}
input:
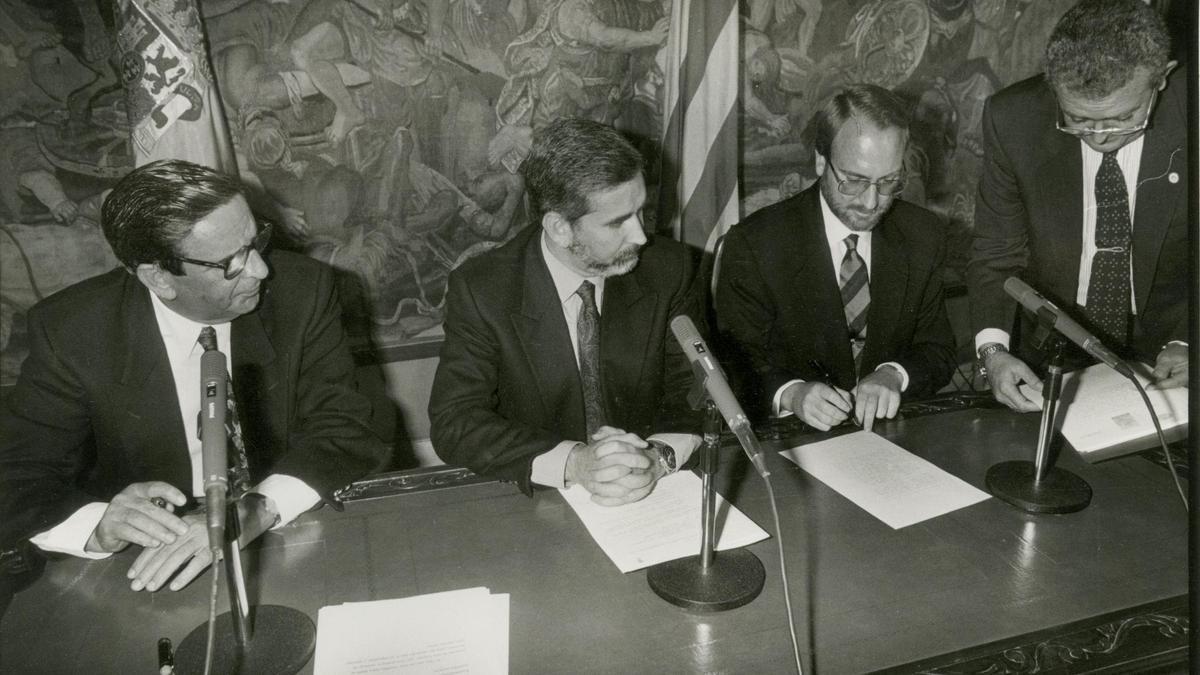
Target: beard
{"points": [[622, 263], [855, 218]]}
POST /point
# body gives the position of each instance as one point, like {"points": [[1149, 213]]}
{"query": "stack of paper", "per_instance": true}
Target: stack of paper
{"points": [[663, 526], [1104, 416], [454, 632]]}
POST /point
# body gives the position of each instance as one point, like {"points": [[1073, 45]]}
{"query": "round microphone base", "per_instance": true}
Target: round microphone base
{"points": [[734, 578], [282, 643], [1059, 492]]}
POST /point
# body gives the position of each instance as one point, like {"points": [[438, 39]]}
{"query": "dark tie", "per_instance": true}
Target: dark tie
{"points": [[588, 329], [239, 467], [856, 296], [1109, 288]]}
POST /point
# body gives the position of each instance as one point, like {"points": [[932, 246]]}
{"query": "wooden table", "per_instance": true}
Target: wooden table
{"points": [[981, 586]]}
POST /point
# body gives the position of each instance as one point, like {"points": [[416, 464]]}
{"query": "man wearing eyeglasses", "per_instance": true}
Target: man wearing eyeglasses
{"points": [[830, 302], [100, 447], [1084, 195]]}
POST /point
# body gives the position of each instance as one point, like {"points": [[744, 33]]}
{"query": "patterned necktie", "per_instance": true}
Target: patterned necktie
{"points": [[1109, 288], [856, 297], [588, 328], [239, 467]]}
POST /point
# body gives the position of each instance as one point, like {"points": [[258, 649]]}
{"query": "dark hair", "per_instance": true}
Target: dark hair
{"points": [[1097, 44], [155, 206], [571, 159], [873, 103]]}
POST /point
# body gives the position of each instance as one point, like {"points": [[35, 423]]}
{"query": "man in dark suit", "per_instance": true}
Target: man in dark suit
{"points": [[1084, 194], [100, 448], [831, 301], [558, 362]]}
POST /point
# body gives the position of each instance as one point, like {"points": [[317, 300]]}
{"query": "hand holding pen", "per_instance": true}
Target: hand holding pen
{"points": [[819, 403]]}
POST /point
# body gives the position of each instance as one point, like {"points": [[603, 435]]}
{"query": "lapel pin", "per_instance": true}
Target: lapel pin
{"points": [[1173, 177]]}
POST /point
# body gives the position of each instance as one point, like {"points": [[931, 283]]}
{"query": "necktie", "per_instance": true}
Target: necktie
{"points": [[588, 328], [856, 296], [1109, 288], [239, 467]]}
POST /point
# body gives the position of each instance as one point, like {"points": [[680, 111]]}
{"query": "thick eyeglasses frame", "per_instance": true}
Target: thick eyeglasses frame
{"points": [[236, 263], [857, 186], [1079, 132]]}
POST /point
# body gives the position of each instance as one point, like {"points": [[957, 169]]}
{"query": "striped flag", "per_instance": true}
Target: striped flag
{"points": [[174, 107], [698, 179]]}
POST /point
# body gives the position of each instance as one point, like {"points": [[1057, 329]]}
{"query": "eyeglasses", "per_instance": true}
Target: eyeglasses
{"points": [[1081, 132], [853, 187], [236, 263]]}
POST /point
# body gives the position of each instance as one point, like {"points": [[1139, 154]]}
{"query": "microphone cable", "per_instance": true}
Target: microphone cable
{"points": [[787, 595], [210, 643], [1162, 441]]}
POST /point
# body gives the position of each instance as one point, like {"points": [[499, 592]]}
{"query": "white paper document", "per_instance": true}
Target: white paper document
{"points": [[884, 479], [457, 632], [1103, 416], [663, 526]]}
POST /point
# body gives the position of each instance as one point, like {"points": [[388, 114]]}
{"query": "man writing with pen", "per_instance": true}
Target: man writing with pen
{"points": [[830, 303]]}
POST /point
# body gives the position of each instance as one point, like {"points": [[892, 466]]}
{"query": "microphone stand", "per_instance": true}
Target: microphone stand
{"points": [[1039, 486], [710, 581], [270, 639]]}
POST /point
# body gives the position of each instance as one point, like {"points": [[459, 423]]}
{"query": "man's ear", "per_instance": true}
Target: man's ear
{"points": [[558, 228], [819, 163], [159, 281]]}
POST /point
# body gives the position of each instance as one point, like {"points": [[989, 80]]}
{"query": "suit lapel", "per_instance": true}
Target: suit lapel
{"points": [[814, 284], [543, 335], [1060, 178], [255, 377], [1163, 156], [155, 437], [623, 350], [889, 285]]}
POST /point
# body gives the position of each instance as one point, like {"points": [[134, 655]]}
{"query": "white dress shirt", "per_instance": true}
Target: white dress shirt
{"points": [[288, 495], [835, 236], [549, 468], [1129, 158]]}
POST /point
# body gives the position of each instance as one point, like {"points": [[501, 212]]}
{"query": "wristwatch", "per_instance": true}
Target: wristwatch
{"points": [[984, 351], [666, 455]]}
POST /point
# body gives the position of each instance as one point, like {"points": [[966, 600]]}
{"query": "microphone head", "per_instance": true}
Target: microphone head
{"points": [[688, 337]]}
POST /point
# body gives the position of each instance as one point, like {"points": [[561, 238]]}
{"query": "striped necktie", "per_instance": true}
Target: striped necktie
{"points": [[1109, 287], [588, 328], [239, 465], [856, 296]]}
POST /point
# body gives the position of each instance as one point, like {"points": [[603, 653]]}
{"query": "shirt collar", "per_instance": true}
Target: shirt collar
{"points": [[180, 333], [567, 280]]}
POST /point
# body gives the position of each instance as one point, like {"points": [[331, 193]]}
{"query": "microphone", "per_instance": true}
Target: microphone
{"points": [[718, 388], [214, 385], [1060, 321]]}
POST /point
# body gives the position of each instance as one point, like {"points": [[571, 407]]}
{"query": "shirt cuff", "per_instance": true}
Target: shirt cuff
{"points": [[550, 468], [683, 445], [777, 400], [71, 535], [991, 335], [903, 373], [289, 495]]}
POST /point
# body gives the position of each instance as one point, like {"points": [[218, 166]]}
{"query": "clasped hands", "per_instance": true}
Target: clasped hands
{"points": [[174, 548], [617, 467], [824, 406]]}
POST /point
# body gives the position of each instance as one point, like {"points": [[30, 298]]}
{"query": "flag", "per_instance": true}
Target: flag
{"points": [[698, 178], [173, 105]]}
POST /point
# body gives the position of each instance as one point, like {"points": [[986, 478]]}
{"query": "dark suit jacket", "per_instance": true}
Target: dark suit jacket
{"points": [[507, 386], [95, 407], [1029, 212], [778, 304]]}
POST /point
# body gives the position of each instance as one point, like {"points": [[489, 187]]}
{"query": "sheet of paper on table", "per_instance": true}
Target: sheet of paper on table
{"points": [[1103, 416], [883, 478], [663, 526], [463, 631]]}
